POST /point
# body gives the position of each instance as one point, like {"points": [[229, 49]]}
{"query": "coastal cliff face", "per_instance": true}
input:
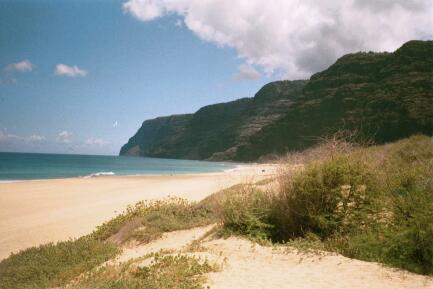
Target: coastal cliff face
{"points": [[384, 96], [216, 131]]}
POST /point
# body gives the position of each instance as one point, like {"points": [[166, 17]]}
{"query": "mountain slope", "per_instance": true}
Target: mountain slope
{"points": [[385, 96], [214, 131]]}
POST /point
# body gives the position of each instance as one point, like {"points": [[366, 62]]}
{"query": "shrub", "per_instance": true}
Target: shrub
{"points": [[409, 242], [372, 203], [247, 213], [327, 197]]}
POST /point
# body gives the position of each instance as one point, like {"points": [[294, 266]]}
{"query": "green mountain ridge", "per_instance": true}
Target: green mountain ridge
{"points": [[384, 96]]}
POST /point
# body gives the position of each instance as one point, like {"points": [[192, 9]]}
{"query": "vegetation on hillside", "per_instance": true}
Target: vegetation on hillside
{"points": [[372, 203], [214, 131], [386, 96]]}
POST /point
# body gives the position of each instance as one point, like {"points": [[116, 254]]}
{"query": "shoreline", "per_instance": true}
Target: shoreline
{"points": [[236, 168], [33, 212]]}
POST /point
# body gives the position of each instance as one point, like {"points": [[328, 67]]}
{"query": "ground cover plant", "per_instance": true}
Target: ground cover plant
{"points": [[52, 264], [148, 220], [165, 271], [57, 264]]}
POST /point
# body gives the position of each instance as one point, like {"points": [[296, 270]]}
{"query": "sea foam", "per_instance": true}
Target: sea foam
{"points": [[100, 174]]}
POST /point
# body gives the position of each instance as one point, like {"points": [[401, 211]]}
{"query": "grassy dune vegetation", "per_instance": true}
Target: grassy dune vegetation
{"points": [[54, 265], [372, 203], [166, 271], [146, 221]]}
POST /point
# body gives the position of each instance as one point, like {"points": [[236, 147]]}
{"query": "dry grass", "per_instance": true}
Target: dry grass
{"points": [[372, 203]]}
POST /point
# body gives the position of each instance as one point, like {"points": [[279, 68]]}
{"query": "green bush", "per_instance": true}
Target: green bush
{"points": [[247, 214], [371, 203], [327, 197], [409, 242], [53, 265]]}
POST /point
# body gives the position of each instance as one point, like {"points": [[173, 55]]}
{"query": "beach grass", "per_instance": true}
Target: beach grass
{"points": [[371, 203]]}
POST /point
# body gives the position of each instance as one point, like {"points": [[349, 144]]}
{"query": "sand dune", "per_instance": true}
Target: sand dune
{"points": [[256, 267], [247, 265], [36, 212]]}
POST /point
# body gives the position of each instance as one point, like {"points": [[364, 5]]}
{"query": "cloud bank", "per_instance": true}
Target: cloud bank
{"points": [[296, 38], [70, 71]]}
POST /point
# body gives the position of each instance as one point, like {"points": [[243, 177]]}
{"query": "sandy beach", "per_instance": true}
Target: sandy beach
{"points": [[41, 211]]}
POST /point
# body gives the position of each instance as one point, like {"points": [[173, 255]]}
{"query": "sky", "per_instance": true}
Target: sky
{"points": [[79, 76]]}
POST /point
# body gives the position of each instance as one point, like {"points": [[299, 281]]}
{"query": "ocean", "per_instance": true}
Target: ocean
{"points": [[32, 166]]}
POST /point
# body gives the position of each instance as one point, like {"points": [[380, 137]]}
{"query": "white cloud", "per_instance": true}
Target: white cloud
{"points": [[96, 142], [5, 136], [115, 124], [11, 69], [144, 9], [296, 37], [247, 72], [36, 138], [22, 66], [64, 137], [71, 71]]}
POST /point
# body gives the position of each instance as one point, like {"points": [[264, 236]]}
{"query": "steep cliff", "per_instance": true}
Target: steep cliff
{"points": [[384, 96], [215, 131]]}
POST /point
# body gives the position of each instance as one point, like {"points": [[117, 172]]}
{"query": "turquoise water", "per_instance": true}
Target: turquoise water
{"points": [[29, 166]]}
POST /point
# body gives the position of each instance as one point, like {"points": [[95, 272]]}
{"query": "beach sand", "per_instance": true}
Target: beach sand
{"points": [[244, 264], [42, 211]]}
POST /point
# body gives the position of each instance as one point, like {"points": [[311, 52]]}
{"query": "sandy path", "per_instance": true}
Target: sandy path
{"points": [[246, 265], [36, 212]]}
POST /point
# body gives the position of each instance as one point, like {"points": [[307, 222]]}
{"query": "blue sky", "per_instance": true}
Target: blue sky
{"points": [[135, 71], [79, 76]]}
